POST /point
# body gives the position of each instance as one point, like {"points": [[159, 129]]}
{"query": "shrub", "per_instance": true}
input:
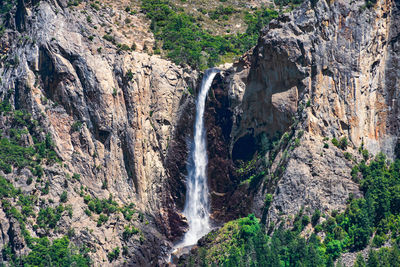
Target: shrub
{"points": [[305, 220], [129, 75], [315, 217], [128, 211], [347, 155], [365, 154], [88, 212], [102, 219], [76, 126], [76, 176], [113, 255], [64, 197], [354, 174], [335, 142], [49, 217], [109, 38], [343, 143], [129, 232]]}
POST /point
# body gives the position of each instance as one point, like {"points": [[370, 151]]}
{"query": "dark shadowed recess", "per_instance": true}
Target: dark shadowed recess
{"points": [[244, 148]]}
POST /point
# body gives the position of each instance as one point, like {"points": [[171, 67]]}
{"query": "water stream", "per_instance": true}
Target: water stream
{"points": [[197, 205]]}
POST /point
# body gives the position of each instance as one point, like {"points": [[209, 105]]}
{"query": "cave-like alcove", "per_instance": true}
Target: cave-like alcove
{"points": [[244, 148]]}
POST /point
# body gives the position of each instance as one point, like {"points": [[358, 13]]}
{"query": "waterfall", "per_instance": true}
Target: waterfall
{"points": [[196, 205]]}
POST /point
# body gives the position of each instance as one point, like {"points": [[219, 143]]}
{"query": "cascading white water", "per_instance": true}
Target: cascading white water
{"points": [[196, 205]]}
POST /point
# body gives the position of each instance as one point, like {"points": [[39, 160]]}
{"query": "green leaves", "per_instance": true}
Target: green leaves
{"points": [[186, 43], [58, 253]]}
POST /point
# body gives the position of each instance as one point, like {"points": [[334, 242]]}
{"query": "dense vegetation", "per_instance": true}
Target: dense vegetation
{"points": [[15, 151], [60, 252], [187, 43], [244, 243], [43, 252]]}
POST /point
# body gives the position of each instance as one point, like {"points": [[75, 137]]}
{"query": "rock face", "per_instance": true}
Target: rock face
{"points": [[328, 69], [115, 117], [120, 120]]}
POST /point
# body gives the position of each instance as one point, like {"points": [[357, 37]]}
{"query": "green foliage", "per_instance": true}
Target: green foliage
{"points": [[335, 142], [128, 211], [113, 255], [305, 220], [76, 176], [88, 212], [106, 206], [76, 126], [187, 43], [354, 174], [102, 219], [129, 232], [343, 143], [365, 154], [48, 217], [42, 252], [288, 2], [60, 252], [242, 243], [109, 38], [370, 3], [268, 200], [13, 152], [360, 262], [7, 6], [221, 11], [315, 217], [129, 75], [347, 155], [64, 197]]}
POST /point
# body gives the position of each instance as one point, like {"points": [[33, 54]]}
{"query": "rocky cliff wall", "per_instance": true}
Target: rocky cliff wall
{"points": [[326, 70], [121, 119], [118, 118]]}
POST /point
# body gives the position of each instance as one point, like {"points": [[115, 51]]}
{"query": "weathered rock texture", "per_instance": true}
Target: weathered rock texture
{"points": [[113, 116], [122, 119], [331, 70]]}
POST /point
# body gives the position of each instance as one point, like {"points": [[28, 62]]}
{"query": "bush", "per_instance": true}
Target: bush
{"points": [[76, 176], [365, 154], [64, 197], [335, 142], [347, 155], [102, 219], [343, 143], [109, 38], [113, 255], [76, 126], [88, 212], [315, 217], [49, 217], [129, 75], [305, 220], [129, 232]]}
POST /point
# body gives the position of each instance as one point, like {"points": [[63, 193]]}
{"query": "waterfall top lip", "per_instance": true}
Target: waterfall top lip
{"points": [[213, 69]]}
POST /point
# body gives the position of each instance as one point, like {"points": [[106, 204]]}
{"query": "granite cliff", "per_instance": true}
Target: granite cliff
{"points": [[119, 119]]}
